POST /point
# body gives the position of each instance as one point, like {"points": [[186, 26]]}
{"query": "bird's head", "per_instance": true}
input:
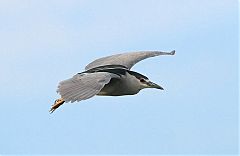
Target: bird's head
{"points": [[145, 82]]}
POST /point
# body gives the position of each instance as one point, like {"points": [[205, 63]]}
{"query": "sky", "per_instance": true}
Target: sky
{"points": [[44, 42]]}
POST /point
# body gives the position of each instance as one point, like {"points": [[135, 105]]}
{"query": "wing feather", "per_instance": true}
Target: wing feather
{"points": [[84, 86], [127, 59]]}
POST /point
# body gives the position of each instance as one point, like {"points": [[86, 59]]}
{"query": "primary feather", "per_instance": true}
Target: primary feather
{"points": [[127, 59], [83, 86]]}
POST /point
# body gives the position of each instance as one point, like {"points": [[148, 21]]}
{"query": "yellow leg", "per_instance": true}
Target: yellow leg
{"points": [[57, 104]]}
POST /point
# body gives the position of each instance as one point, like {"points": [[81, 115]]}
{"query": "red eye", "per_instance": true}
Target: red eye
{"points": [[142, 80]]}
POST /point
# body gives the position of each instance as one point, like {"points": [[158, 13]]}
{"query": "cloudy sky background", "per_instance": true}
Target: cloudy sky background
{"points": [[44, 42]]}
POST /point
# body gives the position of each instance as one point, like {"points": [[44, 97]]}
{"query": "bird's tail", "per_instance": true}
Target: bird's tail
{"points": [[56, 104]]}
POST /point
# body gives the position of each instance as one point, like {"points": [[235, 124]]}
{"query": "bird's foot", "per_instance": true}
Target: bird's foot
{"points": [[57, 104]]}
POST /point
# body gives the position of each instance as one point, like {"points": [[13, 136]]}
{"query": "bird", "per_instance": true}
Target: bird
{"points": [[107, 76]]}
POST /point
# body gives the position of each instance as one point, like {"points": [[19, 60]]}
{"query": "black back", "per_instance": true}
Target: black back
{"points": [[115, 69]]}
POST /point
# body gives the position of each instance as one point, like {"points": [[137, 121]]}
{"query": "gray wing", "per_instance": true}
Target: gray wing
{"points": [[83, 86], [127, 59]]}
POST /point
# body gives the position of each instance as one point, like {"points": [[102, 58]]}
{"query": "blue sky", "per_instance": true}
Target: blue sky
{"points": [[44, 42]]}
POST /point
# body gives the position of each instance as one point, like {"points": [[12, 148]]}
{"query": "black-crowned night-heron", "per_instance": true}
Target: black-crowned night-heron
{"points": [[108, 76]]}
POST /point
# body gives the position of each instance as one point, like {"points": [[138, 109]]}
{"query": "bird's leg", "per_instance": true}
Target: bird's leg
{"points": [[57, 104]]}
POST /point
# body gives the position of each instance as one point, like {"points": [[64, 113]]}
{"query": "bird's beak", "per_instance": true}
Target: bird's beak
{"points": [[154, 85]]}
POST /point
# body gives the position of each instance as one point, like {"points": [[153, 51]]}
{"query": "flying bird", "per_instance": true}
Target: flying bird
{"points": [[107, 76]]}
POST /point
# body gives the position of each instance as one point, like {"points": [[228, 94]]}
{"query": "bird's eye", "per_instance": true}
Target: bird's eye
{"points": [[142, 80]]}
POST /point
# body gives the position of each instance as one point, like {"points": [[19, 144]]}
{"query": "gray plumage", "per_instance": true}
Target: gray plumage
{"points": [[107, 76], [127, 59], [84, 86]]}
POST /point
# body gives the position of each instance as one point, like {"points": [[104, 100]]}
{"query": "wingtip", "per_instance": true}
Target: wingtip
{"points": [[172, 52]]}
